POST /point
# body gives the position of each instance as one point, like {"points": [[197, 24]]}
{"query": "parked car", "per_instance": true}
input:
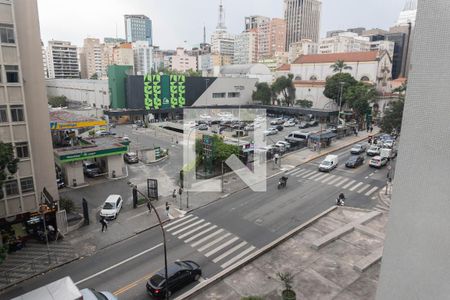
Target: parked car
{"points": [[181, 273], [373, 150], [278, 121], [388, 153], [313, 123], [329, 163], [279, 127], [279, 148], [112, 206], [90, 169], [289, 124], [105, 133], [297, 136], [60, 183], [131, 157], [389, 143], [303, 125], [293, 120], [91, 294], [358, 149], [284, 143], [354, 161], [270, 131], [378, 162], [202, 127]]}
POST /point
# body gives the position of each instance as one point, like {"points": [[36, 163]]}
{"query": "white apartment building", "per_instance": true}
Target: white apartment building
{"points": [[143, 57], [261, 26], [62, 59], [181, 61], [222, 43], [91, 59], [344, 42], [246, 48], [123, 55], [304, 47]]}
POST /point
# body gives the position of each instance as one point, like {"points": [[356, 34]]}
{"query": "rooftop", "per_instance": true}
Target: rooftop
{"points": [[333, 57], [245, 69]]}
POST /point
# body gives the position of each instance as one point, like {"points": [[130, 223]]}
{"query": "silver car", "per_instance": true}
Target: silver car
{"points": [[91, 294]]}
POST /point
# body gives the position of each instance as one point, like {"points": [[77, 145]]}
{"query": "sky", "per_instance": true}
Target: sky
{"points": [[180, 22]]}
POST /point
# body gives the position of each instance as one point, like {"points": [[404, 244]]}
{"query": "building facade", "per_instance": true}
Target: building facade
{"points": [[344, 42], [143, 57], [256, 71], [91, 59], [123, 55], [62, 59], [304, 47], [24, 119], [181, 61], [138, 28], [261, 27], [302, 20], [277, 37], [222, 42], [408, 14], [246, 48]]}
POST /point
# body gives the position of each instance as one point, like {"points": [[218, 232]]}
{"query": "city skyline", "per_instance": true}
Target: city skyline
{"points": [[110, 22]]}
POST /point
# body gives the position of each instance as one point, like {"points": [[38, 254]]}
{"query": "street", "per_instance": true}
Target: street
{"points": [[223, 232]]}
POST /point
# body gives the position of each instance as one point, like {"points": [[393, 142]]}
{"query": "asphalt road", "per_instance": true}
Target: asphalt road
{"points": [[246, 220]]}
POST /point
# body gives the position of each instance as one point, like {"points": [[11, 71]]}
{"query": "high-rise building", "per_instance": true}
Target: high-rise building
{"points": [[24, 117], [277, 37], [246, 48], [138, 28], [334, 32], [123, 55], [91, 59], [62, 59], [44, 60], [304, 47], [111, 40], [181, 61], [261, 27], [222, 42], [408, 14], [143, 57], [344, 42], [302, 20], [357, 30]]}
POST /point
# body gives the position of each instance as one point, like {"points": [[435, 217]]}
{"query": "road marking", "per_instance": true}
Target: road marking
{"points": [[315, 176], [229, 242], [371, 174], [356, 186], [334, 180], [132, 285], [177, 221], [328, 178], [138, 215], [321, 177], [292, 171], [237, 257], [187, 227], [349, 184], [222, 256], [213, 242], [308, 173], [366, 177], [181, 224], [371, 191], [200, 233], [342, 182], [364, 188], [206, 238], [118, 264], [301, 173], [193, 230]]}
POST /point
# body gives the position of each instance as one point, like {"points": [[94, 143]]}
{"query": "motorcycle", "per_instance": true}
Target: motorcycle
{"points": [[340, 200], [282, 182]]}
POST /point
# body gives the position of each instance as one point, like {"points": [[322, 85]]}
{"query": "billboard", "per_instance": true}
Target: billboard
{"points": [[164, 91]]}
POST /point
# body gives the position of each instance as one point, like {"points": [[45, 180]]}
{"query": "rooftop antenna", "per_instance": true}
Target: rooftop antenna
{"points": [[221, 24], [204, 34], [116, 31]]}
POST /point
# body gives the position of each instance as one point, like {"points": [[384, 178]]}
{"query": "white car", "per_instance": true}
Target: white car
{"points": [[389, 143], [289, 124], [111, 207], [91, 294], [378, 162], [285, 144], [373, 150], [270, 131]]}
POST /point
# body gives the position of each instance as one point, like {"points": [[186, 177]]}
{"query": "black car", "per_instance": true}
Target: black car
{"points": [[180, 273], [354, 161], [91, 169], [279, 127], [131, 158], [313, 123]]}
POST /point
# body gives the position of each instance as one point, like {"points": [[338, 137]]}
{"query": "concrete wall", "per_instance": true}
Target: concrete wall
{"points": [[416, 257], [73, 171], [115, 163]]}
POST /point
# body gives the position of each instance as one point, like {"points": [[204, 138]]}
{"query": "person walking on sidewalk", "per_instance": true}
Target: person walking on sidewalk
{"points": [[167, 209], [149, 206], [104, 224]]}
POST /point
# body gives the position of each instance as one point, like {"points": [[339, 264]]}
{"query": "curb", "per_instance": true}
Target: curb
{"points": [[252, 257]]}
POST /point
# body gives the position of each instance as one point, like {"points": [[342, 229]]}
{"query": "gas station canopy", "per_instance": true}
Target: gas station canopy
{"points": [[62, 120]]}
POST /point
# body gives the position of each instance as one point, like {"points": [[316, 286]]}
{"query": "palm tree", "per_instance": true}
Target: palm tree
{"points": [[339, 65]]}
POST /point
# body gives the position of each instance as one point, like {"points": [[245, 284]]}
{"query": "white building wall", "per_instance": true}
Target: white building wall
{"points": [[245, 48], [143, 57], [225, 86]]}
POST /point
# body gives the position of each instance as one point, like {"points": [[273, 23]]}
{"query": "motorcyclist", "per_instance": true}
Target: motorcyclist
{"points": [[340, 199], [282, 182]]}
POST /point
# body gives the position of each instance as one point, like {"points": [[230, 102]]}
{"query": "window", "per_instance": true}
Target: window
{"points": [[22, 150], [365, 78], [11, 188], [12, 74], [219, 95], [3, 114], [313, 78], [234, 95], [298, 77], [27, 184], [17, 113], [7, 34]]}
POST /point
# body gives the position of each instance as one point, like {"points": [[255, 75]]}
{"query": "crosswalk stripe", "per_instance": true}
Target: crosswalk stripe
{"points": [[193, 230], [214, 242], [364, 188], [296, 172], [206, 238], [356, 186], [301, 173], [315, 176], [341, 182], [292, 171], [334, 180], [328, 178], [229, 242], [220, 257], [200, 233], [181, 224], [308, 173], [370, 192], [322, 177], [349, 184], [177, 221], [237, 257], [187, 227]]}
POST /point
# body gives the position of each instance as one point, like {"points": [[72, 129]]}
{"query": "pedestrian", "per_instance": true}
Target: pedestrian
{"points": [[149, 206], [371, 129], [104, 224], [167, 208]]}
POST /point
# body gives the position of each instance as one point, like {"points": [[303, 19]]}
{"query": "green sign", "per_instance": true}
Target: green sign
{"points": [[91, 154], [164, 91], [157, 153]]}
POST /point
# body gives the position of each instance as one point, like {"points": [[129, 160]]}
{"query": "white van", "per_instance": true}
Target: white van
{"points": [[329, 163], [297, 136]]}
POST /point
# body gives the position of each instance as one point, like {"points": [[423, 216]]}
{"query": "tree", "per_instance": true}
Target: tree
{"points": [[340, 65], [304, 103], [263, 93], [58, 101], [285, 86], [392, 119], [94, 76], [333, 86], [359, 97], [8, 163]]}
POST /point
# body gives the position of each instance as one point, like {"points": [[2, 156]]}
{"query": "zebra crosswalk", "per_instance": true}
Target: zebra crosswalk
{"points": [[221, 246], [334, 180]]}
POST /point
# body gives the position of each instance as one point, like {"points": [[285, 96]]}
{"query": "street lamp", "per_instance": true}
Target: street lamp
{"points": [[135, 190]]}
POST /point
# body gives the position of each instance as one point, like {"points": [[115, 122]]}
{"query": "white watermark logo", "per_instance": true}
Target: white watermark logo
{"points": [[219, 139]]}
